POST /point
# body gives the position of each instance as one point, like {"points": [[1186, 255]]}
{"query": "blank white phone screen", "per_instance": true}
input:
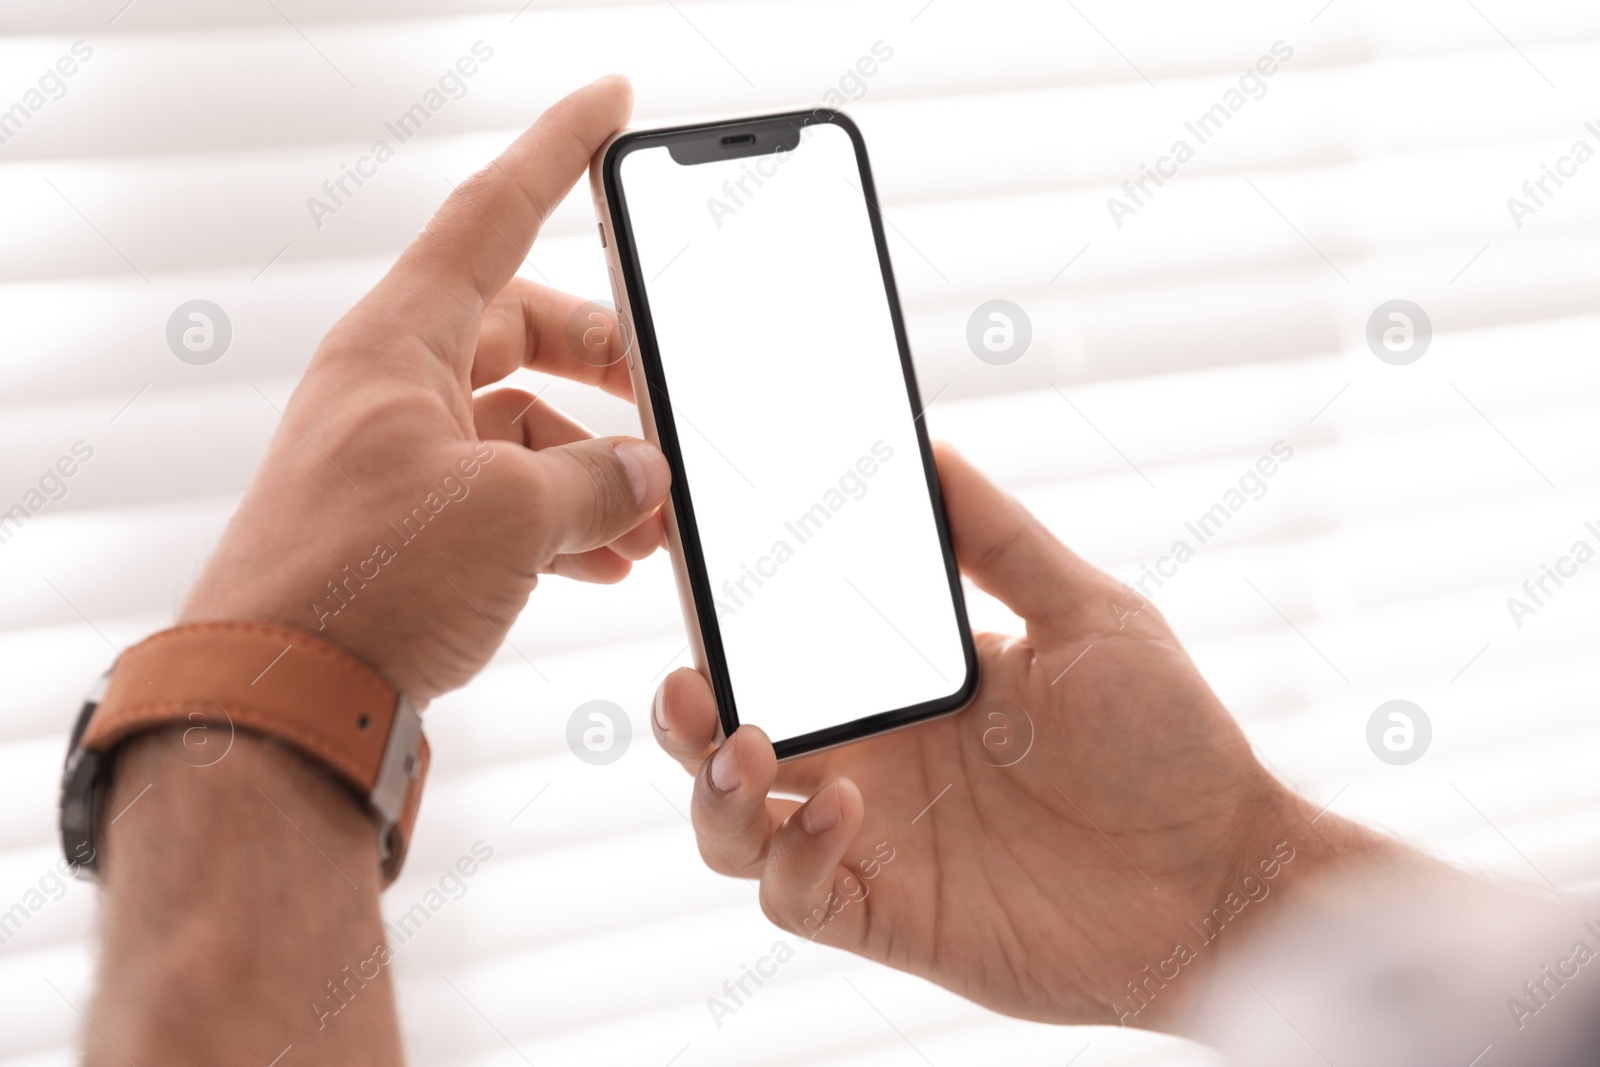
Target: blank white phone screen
{"points": [[778, 352]]}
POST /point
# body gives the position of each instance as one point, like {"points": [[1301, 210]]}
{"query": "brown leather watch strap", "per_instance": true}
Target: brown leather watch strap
{"points": [[286, 684]]}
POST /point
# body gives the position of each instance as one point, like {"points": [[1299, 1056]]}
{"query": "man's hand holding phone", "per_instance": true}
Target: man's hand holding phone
{"points": [[1050, 886], [403, 517], [407, 519]]}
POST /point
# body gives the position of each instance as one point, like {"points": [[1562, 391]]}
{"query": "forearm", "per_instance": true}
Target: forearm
{"points": [[1384, 956], [240, 913], [1339, 849], [1295, 856]]}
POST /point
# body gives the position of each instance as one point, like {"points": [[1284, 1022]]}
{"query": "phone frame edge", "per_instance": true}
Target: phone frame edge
{"points": [[605, 191]]}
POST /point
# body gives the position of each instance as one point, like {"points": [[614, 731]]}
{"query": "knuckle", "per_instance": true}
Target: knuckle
{"points": [[495, 187], [713, 857], [506, 403], [504, 411], [690, 756], [729, 842], [527, 192], [347, 433], [776, 911], [482, 188]]}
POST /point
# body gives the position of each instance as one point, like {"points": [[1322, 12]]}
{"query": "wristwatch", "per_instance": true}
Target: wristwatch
{"points": [[219, 677]]}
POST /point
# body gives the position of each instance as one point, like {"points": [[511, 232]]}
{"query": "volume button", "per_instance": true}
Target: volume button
{"points": [[616, 296]]}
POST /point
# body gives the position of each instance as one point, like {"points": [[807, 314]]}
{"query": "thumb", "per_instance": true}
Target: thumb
{"points": [[592, 492], [1010, 554]]}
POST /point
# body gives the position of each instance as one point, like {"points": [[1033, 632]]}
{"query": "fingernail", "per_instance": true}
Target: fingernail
{"points": [[725, 769], [647, 471], [821, 813], [658, 711]]}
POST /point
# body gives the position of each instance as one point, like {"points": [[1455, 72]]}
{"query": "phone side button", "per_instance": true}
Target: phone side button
{"points": [[616, 298], [627, 341], [602, 233]]}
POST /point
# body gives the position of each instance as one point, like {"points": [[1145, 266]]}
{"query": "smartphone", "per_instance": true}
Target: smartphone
{"points": [[757, 312]]}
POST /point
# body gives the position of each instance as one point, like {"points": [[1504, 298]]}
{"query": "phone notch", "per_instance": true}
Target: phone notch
{"points": [[760, 137]]}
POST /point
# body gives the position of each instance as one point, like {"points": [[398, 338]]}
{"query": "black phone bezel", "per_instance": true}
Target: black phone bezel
{"points": [[771, 131]]}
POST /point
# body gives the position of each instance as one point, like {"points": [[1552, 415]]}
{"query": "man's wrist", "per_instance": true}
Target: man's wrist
{"points": [[223, 679], [1288, 851], [195, 781], [1334, 847], [207, 865]]}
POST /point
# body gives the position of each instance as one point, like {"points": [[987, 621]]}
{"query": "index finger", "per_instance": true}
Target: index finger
{"points": [[482, 233]]}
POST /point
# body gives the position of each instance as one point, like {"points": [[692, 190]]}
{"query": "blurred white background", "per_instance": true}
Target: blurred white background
{"points": [[1227, 313]]}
